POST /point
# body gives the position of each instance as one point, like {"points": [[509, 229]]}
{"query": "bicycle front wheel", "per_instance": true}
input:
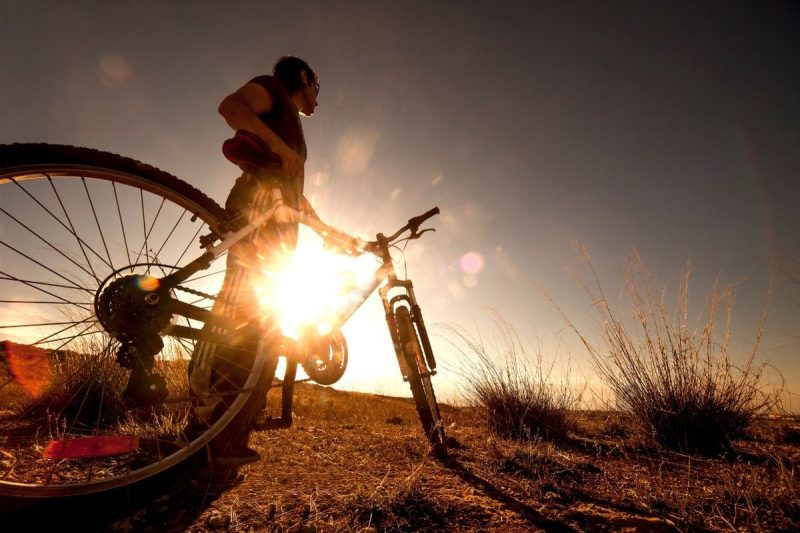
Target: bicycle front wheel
{"points": [[74, 222], [420, 381]]}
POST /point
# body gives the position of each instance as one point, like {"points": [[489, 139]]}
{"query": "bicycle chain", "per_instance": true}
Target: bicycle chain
{"points": [[195, 292]]}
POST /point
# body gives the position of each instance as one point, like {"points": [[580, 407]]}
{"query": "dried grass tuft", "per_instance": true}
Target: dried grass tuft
{"points": [[518, 395], [676, 378]]}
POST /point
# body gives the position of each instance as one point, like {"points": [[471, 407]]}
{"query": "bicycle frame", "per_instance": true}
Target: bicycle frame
{"points": [[384, 280]]}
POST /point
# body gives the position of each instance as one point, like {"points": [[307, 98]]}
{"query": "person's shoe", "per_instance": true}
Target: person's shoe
{"points": [[236, 456]]}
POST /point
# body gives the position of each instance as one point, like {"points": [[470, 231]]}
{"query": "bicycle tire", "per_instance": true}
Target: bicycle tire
{"points": [[420, 382], [27, 173]]}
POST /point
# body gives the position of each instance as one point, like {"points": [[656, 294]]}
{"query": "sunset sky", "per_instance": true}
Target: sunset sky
{"points": [[668, 128]]}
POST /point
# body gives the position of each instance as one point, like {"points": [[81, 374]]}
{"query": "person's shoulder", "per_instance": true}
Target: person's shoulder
{"points": [[273, 85]]}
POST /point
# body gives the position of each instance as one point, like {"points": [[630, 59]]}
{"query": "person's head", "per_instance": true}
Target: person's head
{"points": [[301, 82]]}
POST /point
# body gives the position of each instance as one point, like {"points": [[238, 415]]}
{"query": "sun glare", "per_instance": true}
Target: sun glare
{"points": [[313, 287]]}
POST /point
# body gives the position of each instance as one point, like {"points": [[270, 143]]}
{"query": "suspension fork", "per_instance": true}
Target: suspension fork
{"points": [[391, 322], [415, 311]]}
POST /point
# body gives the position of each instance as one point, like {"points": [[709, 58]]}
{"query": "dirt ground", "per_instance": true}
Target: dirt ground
{"points": [[357, 462]]}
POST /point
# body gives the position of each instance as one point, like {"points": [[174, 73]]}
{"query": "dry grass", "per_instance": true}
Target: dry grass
{"points": [[676, 377], [85, 386], [518, 395], [82, 392], [359, 462], [343, 466]]}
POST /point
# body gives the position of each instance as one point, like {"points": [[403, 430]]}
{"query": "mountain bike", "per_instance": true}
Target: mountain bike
{"points": [[102, 304]]}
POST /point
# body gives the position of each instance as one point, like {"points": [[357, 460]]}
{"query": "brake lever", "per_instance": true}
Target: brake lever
{"points": [[417, 235]]}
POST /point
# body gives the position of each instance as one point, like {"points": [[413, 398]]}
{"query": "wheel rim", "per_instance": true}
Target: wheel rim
{"points": [[420, 385], [63, 229]]}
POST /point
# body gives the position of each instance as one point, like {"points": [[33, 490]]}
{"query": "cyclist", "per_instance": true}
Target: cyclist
{"points": [[270, 148]]}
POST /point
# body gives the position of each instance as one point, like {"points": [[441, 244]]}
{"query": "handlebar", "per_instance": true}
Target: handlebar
{"points": [[353, 246], [338, 239], [414, 223]]}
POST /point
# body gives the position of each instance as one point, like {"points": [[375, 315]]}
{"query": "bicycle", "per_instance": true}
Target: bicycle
{"points": [[103, 304]]}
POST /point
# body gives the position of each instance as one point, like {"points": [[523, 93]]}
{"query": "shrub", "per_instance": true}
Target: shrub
{"points": [[517, 395], [86, 386], [84, 390], [677, 379]]}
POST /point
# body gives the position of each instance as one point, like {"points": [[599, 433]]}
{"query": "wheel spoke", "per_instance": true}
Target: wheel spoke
{"points": [[110, 263], [44, 302], [8, 277], [204, 276], [158, 253], [122, 225], [102, 379], [48, 243], [43, 340], [191, 241], [40, 264], [145, 246], [45, 355], [68, 338], [75, 233], [49, 212], [70, 433], [68, 378], [62, 300], [37, 325]]}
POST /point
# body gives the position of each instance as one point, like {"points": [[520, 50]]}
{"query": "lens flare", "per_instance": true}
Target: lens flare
{"points": [[312, 287], [31, 368], [471, 262], [147, 283], [114, 70]]}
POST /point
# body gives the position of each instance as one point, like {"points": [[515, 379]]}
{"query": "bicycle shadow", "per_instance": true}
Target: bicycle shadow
{"points": [[168, 502], [482, 484], [602, 514], [179, 507]]}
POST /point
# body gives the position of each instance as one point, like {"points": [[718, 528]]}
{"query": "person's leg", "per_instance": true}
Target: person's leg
{"points": [[232, 446], [219, 371]]}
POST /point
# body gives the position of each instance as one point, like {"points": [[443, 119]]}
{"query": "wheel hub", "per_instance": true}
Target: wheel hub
{"points": [[128, 307]]}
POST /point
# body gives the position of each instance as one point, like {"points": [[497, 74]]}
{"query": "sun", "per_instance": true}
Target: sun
{"points": [[311, 287]]}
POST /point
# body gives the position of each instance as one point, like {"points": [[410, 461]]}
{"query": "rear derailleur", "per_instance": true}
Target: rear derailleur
{"points": [[145, 387], [129, 309]]}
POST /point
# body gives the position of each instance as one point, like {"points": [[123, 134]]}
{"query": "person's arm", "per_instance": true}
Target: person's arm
{"points": [[308, 209], [341, 243], [241, 109]]}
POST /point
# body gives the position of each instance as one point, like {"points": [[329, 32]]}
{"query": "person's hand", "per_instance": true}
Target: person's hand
{"points": [[284, 215], [343, 244], [291, 163]]}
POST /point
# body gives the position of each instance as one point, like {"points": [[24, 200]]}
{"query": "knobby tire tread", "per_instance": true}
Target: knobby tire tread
{"points": [[20, 154], [407, 335]]}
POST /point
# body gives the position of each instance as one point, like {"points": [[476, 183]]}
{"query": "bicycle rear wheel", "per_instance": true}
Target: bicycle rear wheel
{"points": [[420, 381], [73, 221]]}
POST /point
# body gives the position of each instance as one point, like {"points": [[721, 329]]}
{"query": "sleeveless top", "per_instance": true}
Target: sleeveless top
{"points": [[284, 120]]}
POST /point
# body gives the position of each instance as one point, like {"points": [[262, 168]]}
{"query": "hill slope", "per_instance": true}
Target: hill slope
{"points": [[358, 462]]}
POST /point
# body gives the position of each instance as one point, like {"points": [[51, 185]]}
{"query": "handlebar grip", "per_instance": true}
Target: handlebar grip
{"points": [[416, 222]]}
